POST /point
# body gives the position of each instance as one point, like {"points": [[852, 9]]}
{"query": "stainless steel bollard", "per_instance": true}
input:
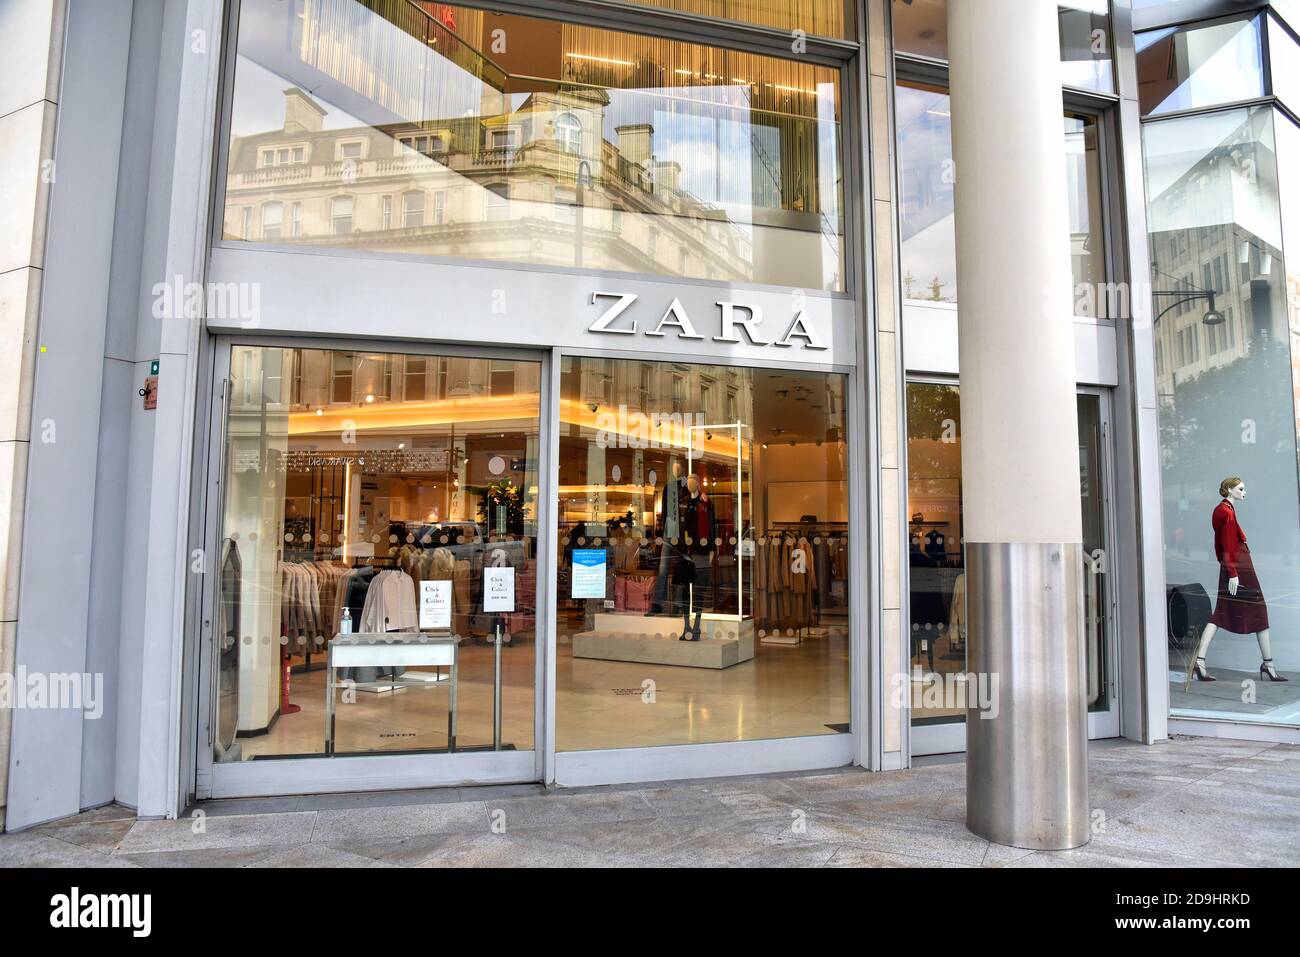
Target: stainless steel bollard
{"points": [[1027, 753]]}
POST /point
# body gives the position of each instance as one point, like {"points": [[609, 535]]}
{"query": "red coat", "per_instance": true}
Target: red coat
{"points": [[1228, 536], [1244, 612]]}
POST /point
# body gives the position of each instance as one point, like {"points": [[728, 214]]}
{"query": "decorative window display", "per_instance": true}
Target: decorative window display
{"points": [[1239, 606], [1224, 226]]}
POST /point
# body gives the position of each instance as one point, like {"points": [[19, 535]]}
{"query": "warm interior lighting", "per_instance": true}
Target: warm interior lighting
{"points": [[599, 59], [414, 415], [635, 427]]}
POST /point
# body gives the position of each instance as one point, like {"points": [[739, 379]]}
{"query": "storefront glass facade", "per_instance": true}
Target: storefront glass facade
{"points": [[351, 480], [703, 577], [936, 612], [1226, 344], [936, 553], [679, 573], [446, 131]]}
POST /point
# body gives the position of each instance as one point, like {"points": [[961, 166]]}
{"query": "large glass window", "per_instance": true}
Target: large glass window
{"points": [[552, 143], [927, 175], [1227, 335], [1284, 64], [703, 567], [936, 553], [921, 29], [343, 501], [1180, 68]]}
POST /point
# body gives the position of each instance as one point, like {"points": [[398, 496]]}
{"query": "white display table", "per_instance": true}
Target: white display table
{"points": [[407, 649]]}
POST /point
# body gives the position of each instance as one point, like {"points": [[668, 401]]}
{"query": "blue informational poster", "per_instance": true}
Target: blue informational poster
{"points": [[588, 573]]}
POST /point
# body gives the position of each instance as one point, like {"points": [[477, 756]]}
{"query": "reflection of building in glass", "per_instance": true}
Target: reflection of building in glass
{"points": [[927, 178], [1224, 370], [586, 148], [1217, 224], [474, 187]]}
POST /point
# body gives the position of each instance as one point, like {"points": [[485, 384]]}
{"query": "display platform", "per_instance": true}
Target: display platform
{"points": [[654, 639]]}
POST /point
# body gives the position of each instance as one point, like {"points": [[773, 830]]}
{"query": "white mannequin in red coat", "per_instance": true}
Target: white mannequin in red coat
{"points": [[1234, 494]]}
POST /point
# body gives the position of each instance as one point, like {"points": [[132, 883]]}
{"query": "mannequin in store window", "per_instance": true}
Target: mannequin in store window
{"points": [[699, 531], [1240, 606], [670, 508]]}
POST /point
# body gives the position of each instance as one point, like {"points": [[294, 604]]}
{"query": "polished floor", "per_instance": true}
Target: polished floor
{"points": [[785, 691], [1188, 802]]}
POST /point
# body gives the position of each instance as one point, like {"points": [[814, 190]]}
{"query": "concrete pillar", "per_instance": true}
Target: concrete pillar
{"points": [[1026, 760]]}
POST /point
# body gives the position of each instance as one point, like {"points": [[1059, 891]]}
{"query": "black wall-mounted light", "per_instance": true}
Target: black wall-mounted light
{"points": [[1212, 315]]}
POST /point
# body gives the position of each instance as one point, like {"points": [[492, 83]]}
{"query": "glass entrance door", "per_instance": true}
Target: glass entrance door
{"points": [[1094, 431], [703, 567], [937, 567], [385, 505]]}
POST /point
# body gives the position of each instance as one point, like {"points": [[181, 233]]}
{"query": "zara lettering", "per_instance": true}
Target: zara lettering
{"points": [[737, 319]]}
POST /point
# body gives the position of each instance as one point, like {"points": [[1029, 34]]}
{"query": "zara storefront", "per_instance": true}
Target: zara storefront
{"points": [[553, 382], [578, 378]]}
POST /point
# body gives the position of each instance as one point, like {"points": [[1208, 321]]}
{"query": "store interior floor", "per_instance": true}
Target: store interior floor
{"points": [[785, 691]]}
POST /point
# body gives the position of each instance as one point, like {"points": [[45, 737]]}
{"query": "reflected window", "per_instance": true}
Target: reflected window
{"points": [[341, 215], [272, 220], [1180, 68], [1084, 206], [412, 209], [568, 133], [498, 202], [731, 157], [927, 175], [921, 29]]}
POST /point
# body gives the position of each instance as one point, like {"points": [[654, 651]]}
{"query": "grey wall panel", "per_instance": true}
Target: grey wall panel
{"points": [[99, 749], [46, 755], [133, 556], [111, 531]]}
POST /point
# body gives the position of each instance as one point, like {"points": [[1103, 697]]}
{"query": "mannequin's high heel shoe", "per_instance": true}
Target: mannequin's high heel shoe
{"points": [[1266, 670], [686, 628], [1200, 673], [696, 630]]}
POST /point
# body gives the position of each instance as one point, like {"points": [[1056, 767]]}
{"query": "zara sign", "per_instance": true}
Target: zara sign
{"points": [[736, 319]]}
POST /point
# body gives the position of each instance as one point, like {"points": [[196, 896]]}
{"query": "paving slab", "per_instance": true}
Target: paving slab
{"points": [[1183, 803]]}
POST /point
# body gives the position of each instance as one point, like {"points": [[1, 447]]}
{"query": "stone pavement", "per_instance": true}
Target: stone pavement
{"points": [[1182, 803]]}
